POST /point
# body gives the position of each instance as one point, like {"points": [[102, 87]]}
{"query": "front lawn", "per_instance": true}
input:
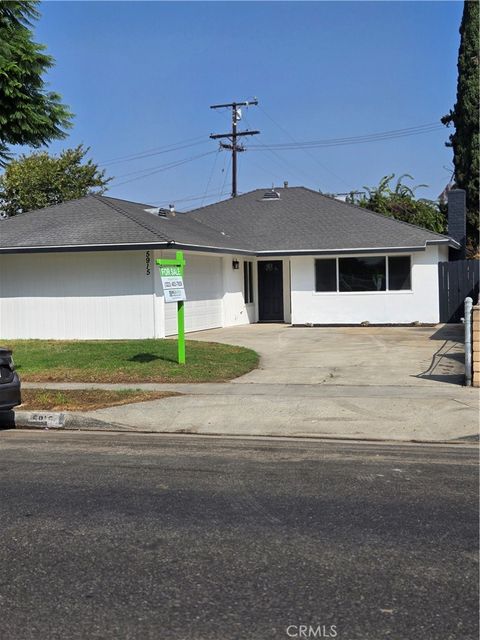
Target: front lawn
{"points": [[128, 361]]}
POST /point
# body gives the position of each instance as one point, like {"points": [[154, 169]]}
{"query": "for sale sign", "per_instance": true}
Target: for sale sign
{"points": [[172, 281]]}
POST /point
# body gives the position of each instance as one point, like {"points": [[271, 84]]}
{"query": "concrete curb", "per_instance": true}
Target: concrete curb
{"points": [[55, 420], [78, 422]]}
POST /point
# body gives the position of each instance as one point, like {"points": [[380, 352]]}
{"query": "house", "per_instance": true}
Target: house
{"points": [[86, 268]]}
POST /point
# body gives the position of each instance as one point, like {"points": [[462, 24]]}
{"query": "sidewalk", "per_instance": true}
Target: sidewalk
{"points": [[431, 413], [314, 382]]}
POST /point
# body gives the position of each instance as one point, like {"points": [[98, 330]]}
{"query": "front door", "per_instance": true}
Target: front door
{"points": [[270, 291]]}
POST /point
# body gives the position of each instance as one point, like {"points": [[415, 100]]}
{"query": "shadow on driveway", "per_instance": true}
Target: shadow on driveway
{"points": [[448, 361]]}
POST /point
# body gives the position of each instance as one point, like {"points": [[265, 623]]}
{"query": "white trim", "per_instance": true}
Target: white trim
{"points": [[90, 246], [216, 249], [353, 250], [363, 293], [172, 245]]}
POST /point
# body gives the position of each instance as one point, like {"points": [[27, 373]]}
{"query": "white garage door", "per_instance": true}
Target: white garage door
{"points": [[76, 296], [203, 286]]}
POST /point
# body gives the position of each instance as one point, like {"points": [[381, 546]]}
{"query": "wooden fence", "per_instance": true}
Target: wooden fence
{"points": [[457, 280]]}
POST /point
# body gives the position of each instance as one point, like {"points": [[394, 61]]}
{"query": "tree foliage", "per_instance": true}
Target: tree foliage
{"points": [[40, 180], [29, 114], [464, 116], [399, 202]]}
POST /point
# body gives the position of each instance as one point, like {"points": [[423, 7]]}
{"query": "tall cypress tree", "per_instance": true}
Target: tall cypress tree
{"points": [[465, 116]]}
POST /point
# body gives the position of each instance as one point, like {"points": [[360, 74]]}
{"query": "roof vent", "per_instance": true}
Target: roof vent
{"points": [[158, 211], [271, 195]]}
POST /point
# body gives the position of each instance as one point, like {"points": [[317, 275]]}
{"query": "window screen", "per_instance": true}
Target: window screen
{"points": [[248, 282], [399, 269], [362, 274], [326, 275]]}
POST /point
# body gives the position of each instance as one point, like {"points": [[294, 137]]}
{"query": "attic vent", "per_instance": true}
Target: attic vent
{"points": [[157, 211], [271, 195]]}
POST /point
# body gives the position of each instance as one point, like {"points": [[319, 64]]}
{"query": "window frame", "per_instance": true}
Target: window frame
{"points": [[336, 274], [364, 293], [400, 255], [248, 285]]}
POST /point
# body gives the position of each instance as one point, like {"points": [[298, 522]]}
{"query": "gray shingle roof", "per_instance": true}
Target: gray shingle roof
{"points": [[305, 220], [301, 220], [99, 221]]}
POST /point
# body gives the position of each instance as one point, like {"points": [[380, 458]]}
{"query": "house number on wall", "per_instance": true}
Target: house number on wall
{"points": [[147, 263]]}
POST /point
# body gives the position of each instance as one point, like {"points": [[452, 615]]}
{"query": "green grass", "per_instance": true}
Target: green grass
{"points": [[128, 361]]}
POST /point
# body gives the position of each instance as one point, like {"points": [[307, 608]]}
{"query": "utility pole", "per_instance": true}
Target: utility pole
{"points": [[233, 145]]}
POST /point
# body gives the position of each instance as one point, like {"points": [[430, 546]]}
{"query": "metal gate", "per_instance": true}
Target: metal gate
{"points": [[457, 280]]}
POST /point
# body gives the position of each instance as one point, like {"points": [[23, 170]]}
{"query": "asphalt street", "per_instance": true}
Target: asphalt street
{"points": [[131, 536]]}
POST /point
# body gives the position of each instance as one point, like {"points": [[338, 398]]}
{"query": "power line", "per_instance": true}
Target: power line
{"points": [[165, 167], [191, 142], [191, 198], [274, 174], [226, 174], [372, 137], [364, 138], [211, 174], [147, 153], [278, 158], [307, 152]]}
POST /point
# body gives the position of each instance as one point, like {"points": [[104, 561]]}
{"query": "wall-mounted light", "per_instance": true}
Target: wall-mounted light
{"points": [[235, 264]]}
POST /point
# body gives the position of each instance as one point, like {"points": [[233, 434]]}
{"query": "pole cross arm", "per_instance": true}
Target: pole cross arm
{"points": [[215, 136], [234, 104]]}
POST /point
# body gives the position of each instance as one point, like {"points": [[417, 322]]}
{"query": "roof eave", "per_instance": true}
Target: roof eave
{"points": [[228, 250], [124, 246], [454, 244], [353, 250], [213, 249]]}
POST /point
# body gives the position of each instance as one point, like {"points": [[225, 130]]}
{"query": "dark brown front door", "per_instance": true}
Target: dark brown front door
{"points": [[270, 291]]}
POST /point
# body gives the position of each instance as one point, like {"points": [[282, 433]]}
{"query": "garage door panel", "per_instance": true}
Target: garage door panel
{"points": [[203, 287]]}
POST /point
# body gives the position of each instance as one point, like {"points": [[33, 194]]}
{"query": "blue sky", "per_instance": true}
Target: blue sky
{"points": [[140, 76]]}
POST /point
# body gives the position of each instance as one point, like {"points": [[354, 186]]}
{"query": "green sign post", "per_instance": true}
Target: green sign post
{"points": [[171, 272]]}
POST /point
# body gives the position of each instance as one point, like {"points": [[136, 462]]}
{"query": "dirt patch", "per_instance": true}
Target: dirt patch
{"points": [[85, 399]]}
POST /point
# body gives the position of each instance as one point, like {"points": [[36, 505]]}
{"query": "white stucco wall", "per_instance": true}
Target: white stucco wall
{"points": [[110, 294], [235, 311], [382, 307], [102, 295], [443, 253], [96, 295]]}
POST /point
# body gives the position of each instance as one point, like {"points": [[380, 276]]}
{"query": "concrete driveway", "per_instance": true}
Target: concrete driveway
{"points": [[390, 383], [355, 356]]}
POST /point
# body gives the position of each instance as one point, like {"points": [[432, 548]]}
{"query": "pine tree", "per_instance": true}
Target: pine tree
{"points": [[29, 115], [465, 116]]}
